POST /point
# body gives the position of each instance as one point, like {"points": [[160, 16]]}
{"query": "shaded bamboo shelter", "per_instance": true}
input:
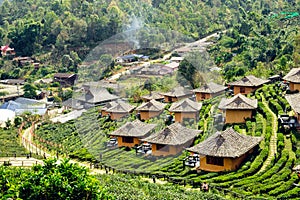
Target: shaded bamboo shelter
{"points": [[293, 100], [238, 108], [177, 94], [185, 109], [150, 109], [171, 140], [131, 133], [247, 84], [117, 109], [208, 91], [224, 151], [293, 77]]}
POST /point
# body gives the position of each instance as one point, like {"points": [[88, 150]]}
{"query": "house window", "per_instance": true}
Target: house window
{"points": [[215, 160], [202, 95], [161, 147], [242, 90], [127, 139]]}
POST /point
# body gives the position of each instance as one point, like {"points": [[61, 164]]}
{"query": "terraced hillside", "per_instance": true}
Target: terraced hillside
{"points": [[265, 174]]}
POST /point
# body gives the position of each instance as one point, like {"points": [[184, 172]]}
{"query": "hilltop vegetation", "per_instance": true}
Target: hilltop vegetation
{"points": [[60, 34]]}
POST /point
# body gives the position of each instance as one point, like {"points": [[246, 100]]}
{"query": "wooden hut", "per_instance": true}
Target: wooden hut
{"points": [[171, 140], [224, 151], [153, 95], [238, 108], [185, 109], [247, 84], [293, 100], [293, 77], [150, 109], [177, 94], [131, 133], [208, 91], [117, 109]]}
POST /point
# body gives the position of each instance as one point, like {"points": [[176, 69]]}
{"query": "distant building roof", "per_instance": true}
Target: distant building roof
{"points": [[6, 114], [210, 88], [178, 92], [175, 134], [134, 129], [293, 100], [228, 143], [249, 81], [13, 81], [239, 102], [63, 75], [21, 105], [6, 48], [293, 75], [151, 106], [177, 59], [44, 80], [185, 105]]}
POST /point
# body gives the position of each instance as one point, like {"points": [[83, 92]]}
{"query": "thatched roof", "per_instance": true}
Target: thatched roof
{"points": [[118, 107], [294, 100], [96, 95], [178, 92], [151, 106], [134, 129], [175, 134], [239, 102], [110, 105], [249, 81], [185, 105], [153, 95], [293, 75], [210, 88], [228, 144]]}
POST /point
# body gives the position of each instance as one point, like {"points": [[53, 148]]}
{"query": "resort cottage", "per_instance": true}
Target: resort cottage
{"points": [[153, 95], [177, 94], [150, 109], [171, 140], [247, 84], [131, 133], [238, 108], [117, 109], [208, 91], [185, 109], [293, 100], [224, 151], [293, 77]]}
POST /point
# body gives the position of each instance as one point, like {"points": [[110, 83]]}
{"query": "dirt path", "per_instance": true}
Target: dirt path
{"points": [[29, 144], [273, 140]]}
